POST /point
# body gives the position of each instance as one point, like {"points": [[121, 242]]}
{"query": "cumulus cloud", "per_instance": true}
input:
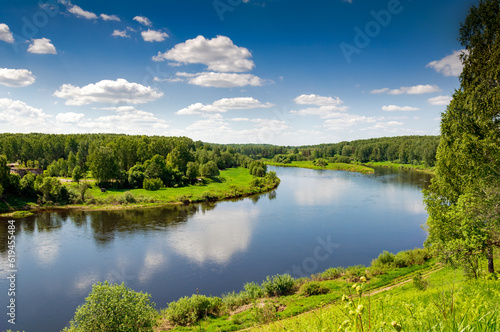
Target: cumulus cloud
{"points": [[154, 36], [222, 80], [6, 34], [120, 33], [450, 65], [69, 117], [313, 99], [223, 105], [16, 78], [143, 20], [110, 17], [341, 121], [107, 91], [440, 100], [409, 90], [79, 12], [328, 105], [17, 115], [42, 46], [218, 54], [394, 108]]}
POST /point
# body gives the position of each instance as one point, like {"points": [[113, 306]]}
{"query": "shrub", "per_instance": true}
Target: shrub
{"points": [[419, 282], [313, 288], [127, 197], [332, 273], [353, 273], [253, 290], [112, 308], [234, 300], [152, 184], [207, 196], [278, 285], [189, 310]]}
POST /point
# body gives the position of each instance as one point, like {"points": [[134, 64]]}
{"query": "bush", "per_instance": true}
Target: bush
{"points": [[189, 310], [419, 282], [127, 197], [313, 288], [114, 308], [332, 273], [234, 300], [353, 273], [278, 285], [254, 290], [152, 184]]}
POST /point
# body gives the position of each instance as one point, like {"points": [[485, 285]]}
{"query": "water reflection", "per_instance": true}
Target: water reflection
{"points": [[207, 237]]}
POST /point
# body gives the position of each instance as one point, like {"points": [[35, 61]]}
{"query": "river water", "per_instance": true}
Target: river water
{"points": [[314, 220]]}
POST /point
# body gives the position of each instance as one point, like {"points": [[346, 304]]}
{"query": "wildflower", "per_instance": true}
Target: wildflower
{"points": [[363, 279], [360, 309], [358, 289], [354, 286]]}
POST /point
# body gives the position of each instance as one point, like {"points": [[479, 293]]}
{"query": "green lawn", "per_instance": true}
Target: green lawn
{"points": [[330, 166], [420, 168]]}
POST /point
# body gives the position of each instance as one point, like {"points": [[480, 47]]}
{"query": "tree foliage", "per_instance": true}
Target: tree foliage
{"points": [[468, 157]]}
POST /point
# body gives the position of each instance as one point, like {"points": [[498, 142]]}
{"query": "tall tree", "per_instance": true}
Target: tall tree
{"points": [[103, 164], [468, 156]]}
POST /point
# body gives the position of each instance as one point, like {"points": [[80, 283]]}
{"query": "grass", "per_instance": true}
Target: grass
{"points": [[232, 183], [418, 168], [331, 166]]}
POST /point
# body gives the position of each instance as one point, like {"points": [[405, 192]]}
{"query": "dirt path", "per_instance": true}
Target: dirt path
{"points": [[368, 293]]}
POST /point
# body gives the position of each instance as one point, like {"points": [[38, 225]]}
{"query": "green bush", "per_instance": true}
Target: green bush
{"points": [[234, 300], [313, 288], [114, 308], [332, 273], [254, 290], [278, 285], [152, 184], [353, 273], [189, 310], [127, 197]]}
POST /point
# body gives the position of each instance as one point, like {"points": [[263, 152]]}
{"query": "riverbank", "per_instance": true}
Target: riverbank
{"points": [[408, 167], [330, 166], [232, 183]]}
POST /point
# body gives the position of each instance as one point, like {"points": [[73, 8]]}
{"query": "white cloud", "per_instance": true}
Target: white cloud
{"points": [[143, 20], [341, 121], [450, 65], [218, 54], [224, 105], [379, 91], [16, 115], [239, 119], [385, 125], [119, 33], [317, 100], [79, 12], [42, 46], [107, 91], [440, 100], [409, 90], [154, 36], [16, 77], [69, 117], [323, 111], [222, 80], [110, 17], [394, 108], [5, 33], [171, 80]]}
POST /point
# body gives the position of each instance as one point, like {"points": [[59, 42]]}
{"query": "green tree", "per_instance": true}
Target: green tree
{"points": [[468, 156], [258, 168], [77, 174], [114, 308], [192, 171], [28, 185], [209, 170], [103, 164]]}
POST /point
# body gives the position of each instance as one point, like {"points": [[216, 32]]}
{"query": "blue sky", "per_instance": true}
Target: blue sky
{"points": [[284, 72]]}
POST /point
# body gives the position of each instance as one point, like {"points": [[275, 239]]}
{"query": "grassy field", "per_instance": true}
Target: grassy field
{"points": [[418, 168], [330, 166], [232, 183]]}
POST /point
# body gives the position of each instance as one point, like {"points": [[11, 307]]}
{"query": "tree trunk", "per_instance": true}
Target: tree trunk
{"points": [[491, 267]]}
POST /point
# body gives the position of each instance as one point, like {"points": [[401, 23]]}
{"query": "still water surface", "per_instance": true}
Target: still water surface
{"points": [[314, 220]]}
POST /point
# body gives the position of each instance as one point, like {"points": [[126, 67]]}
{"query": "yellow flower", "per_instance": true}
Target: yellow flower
{"points": [[354, 286], [363, 279], [360, 308], [358, 289]]}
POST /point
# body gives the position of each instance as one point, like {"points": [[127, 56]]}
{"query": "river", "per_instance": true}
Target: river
{"points": [[312, 221]]}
